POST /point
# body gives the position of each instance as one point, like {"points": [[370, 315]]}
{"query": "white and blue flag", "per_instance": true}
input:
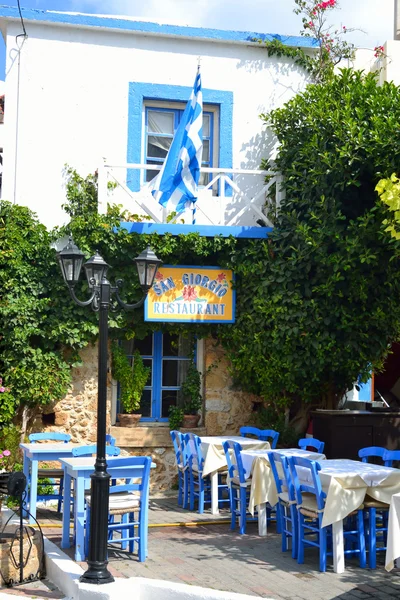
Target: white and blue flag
{"points": [[176, 183]]}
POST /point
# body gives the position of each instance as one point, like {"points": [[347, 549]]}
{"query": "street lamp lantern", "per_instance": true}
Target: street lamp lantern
{"points": [[71, 259], [95, 268], [147, 265]]}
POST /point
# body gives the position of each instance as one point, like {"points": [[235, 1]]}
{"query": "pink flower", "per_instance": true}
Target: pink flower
{"points": [[2, 389], [1, 456], [189, 293], [6, 453]]}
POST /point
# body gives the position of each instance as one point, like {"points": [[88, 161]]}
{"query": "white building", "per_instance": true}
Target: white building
{"points": [[84, 88]]}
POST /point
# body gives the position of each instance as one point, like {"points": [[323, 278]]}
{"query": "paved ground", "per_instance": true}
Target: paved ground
{"points": [[210, 555]]}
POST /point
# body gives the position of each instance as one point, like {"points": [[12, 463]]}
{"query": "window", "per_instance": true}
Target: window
{"points": [[161, 122], [168, 356]]}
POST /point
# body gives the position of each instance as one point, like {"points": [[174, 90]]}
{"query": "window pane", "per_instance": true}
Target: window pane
{"points": [[206, 151], [170, 373], [206, 125], [158, 146], [151, 174], [160, 121], [177, 345], [145, 404], [174, 372], [204, 178], [148, 363], [170, 344], [168, 398], [144, 346]]}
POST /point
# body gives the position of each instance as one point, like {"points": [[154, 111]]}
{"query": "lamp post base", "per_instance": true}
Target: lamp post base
{"points": [[97, 574]]}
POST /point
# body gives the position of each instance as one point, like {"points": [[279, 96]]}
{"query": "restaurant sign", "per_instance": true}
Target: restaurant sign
{"points": [[191, 294]]}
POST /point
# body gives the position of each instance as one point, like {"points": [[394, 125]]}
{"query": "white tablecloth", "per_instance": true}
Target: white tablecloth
{"points": [[393, 539], [346, 483], [263, 488], [213, 452]]}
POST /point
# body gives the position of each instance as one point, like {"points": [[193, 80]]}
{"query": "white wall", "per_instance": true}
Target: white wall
{"points": [[67, 101]]}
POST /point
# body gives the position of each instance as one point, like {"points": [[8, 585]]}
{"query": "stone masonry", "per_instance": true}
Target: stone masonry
{"points": [[225, 410]]}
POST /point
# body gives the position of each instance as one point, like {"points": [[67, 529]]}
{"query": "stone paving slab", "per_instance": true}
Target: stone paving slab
{"points": [[211, 555]]}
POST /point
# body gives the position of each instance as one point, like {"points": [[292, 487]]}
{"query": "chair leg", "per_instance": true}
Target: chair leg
{"points": [[124, 521], [282, 510], [185, 488], [142, 549], [180, 486], [295, 531], [242, 511], [372, 538], [201, 494], [191, 493], [322, 546], [232, 501], [361, 539], [60, 491], [300, 551]]}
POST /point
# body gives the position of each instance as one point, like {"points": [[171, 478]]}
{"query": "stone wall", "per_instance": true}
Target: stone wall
{"points": [[226, 409]]}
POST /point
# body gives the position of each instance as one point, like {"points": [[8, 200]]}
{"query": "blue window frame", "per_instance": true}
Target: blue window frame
{"points": [[160, 126], [168, 357]]}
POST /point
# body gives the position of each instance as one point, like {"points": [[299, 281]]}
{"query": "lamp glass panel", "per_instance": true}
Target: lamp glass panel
{"points": [[77, 267], [141, 269], [151, 273]]}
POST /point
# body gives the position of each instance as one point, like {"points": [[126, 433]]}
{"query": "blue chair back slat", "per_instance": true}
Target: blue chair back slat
{"points": [[389, 456], [110, 439], [250, 431], [234, 460], [283, 479], [142, 486], [179, 447], [192, 451], [90, 450], [270, 435], [49, 436], [371, 452], [317, 445], [309, 481]]}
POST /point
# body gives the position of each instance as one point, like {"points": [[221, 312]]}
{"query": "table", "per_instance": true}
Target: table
{"points": [[393, 539], [263, 489], [214, 458], [32, 455], [346, 483], [80, 469]]}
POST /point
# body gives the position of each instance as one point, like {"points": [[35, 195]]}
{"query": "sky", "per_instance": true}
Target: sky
{"points": [[372, 19]]}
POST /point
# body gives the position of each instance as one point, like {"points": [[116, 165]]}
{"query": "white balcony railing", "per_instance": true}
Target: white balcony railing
{"points": [[232, 196]]}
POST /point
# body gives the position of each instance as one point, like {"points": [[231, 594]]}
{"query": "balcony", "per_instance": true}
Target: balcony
{"points": [[234, 202]]}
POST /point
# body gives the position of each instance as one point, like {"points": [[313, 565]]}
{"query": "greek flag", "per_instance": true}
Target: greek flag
{"points": [[176, 183]]}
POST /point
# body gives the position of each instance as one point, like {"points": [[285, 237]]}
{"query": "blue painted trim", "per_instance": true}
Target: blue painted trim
{"points": [[202, 230], [139, 92], [143, 27]]}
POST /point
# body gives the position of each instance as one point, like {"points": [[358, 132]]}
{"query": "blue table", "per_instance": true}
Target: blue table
{"points": [[80, 469], [32, 455]]}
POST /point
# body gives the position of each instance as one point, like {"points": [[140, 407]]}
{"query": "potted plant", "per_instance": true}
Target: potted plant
{"points": [[132, 379]]}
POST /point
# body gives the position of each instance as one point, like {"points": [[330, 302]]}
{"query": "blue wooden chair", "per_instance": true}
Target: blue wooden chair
{"points": [[376, 512], [55, 475], [130, 502], [286, 508], [266, 435], [371, 452], [313, 443], [182, 466], [310, 508], [389, 456], [91, 450]]}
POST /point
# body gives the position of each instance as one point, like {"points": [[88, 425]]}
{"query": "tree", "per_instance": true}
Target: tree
{"points": [[324, 306]]}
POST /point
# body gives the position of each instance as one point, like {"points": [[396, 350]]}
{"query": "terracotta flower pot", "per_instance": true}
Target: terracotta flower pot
{"points": [[190, 421], [129, 420]]}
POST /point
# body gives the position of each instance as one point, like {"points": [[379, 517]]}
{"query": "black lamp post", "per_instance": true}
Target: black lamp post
{"points": [[71, 259]]}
